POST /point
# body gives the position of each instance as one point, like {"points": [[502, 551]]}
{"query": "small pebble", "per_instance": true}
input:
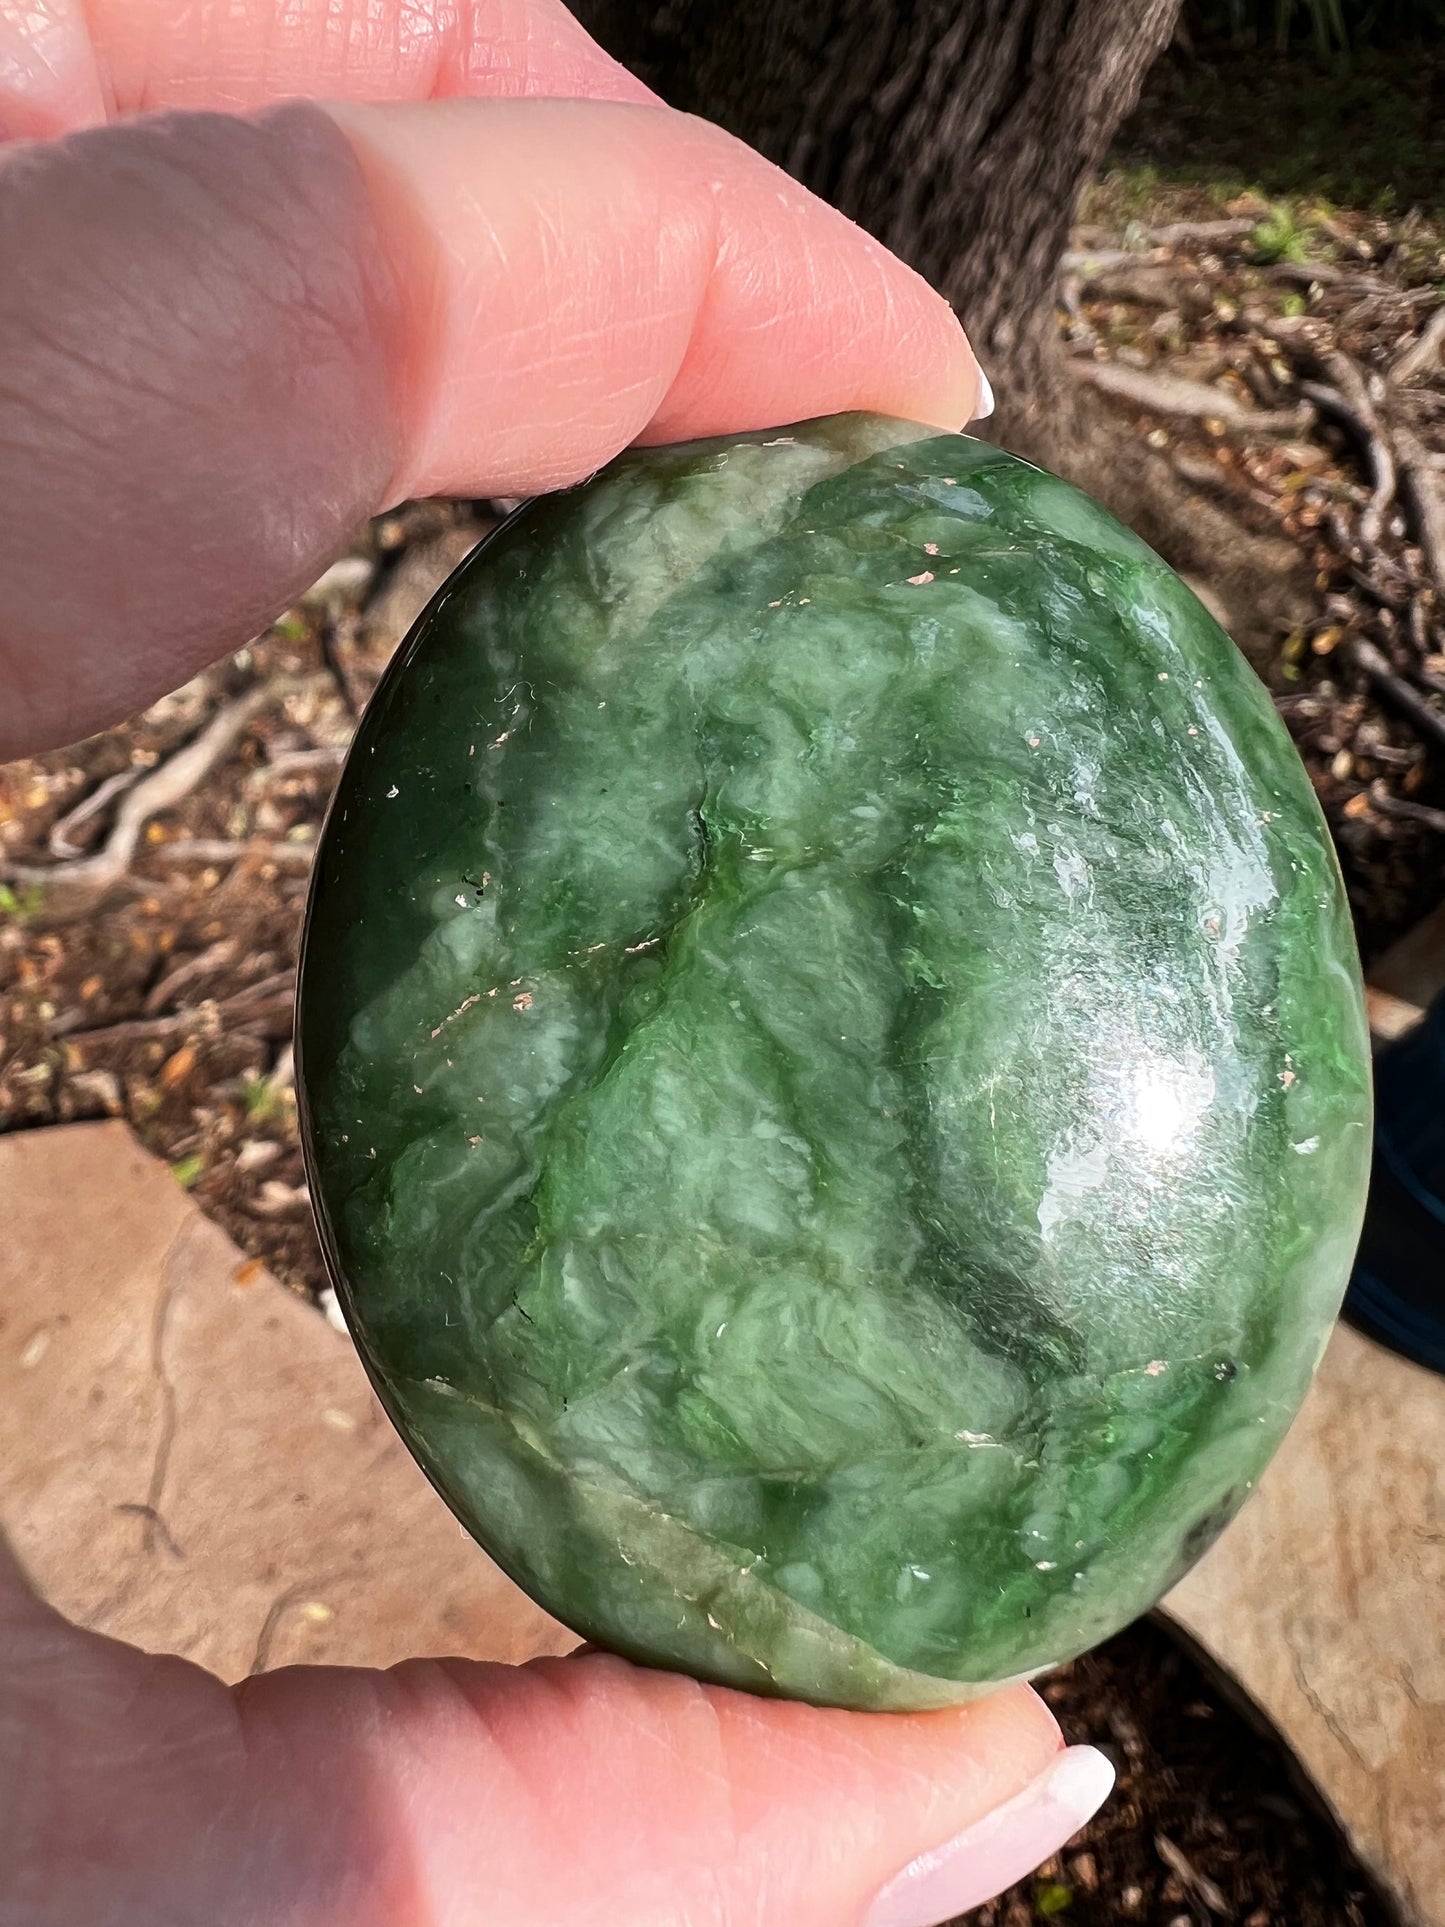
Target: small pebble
{"points": [[256, 1153]]}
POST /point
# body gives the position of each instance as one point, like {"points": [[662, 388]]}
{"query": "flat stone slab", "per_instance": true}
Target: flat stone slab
{"points": [[1325, 1600], [1414, 968], [191, 1458]]}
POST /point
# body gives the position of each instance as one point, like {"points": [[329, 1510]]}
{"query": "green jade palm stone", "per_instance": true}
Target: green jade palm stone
{"points": [[834, 1063]]}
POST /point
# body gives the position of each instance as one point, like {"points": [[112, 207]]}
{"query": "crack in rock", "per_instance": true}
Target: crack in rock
{"points": [[155, 1532]]}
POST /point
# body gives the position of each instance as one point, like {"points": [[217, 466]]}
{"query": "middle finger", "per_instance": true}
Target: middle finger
{"points": [[68, 63]]}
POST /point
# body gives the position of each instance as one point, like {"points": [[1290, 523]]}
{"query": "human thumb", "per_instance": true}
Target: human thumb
{"points": [[581, 1792], [587, 1790]]}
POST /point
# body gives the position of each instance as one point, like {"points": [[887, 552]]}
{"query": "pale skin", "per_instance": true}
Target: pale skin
{"points": [[516, 267]]}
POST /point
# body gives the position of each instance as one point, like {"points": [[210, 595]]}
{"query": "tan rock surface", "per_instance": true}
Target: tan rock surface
{"points": [[1326, 1601], [1414, 968], [191, 1458]]}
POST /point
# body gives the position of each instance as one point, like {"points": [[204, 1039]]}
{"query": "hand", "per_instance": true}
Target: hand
{"points": [[223, 343]]}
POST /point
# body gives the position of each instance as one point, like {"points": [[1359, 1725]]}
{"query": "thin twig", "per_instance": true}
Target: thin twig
{"points": [[280, 982], [296, 763], [1418, 623], [1148, 284], [216, 849], [1404, 806], [1371, 661], [139, 1030], [1198, 1883], [1087, 262], [247, 1006], [1427, 679], [1381, 592], [220, 956]]}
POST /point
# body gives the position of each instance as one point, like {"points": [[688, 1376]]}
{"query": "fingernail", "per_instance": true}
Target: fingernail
{"points": [[999, 1849], [985, 398]]}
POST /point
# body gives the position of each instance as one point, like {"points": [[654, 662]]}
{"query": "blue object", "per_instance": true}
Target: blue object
{"points": [[1397, 1292]]}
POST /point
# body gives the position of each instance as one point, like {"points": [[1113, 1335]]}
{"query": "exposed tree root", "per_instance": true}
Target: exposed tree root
{"points": [[89, 807], [1200, 400], [74, 889], [1421, 490], [1350, 402], [217, 850]]}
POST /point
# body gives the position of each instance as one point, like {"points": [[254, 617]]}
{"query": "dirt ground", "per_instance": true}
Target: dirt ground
{"points": [[1207, 1823], [1290, 357]]}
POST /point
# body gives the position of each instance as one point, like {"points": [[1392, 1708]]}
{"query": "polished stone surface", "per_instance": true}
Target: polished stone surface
{"points": [[834, 1059]]}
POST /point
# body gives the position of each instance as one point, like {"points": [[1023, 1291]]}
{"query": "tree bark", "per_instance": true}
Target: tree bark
{"points": [[959, 132]]}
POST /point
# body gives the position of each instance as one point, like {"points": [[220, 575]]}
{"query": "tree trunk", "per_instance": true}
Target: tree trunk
{"points": [[959, 132]]}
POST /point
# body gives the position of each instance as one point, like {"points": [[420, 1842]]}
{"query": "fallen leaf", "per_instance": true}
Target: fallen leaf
{"points": [[178, 1067]]}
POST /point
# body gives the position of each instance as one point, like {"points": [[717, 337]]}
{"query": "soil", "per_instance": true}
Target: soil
{"points": [[1209, 1820], [164, 997], [1300, 300], [169, 1001]]}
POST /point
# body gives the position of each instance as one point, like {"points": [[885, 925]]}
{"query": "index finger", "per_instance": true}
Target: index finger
{"points": [[227, 342]]}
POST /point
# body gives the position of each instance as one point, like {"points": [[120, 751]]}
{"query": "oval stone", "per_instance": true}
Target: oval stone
{"points": [[833, 1062]]}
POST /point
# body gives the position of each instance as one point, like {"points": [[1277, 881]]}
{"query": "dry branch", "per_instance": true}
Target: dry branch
{"points": [[1421, 490], [271, 997], [220, 956], [1424, 351], [1406, 807], [1304, 274], [1373, 663], [1183, 234], [1175, 395], [216, 849]]}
